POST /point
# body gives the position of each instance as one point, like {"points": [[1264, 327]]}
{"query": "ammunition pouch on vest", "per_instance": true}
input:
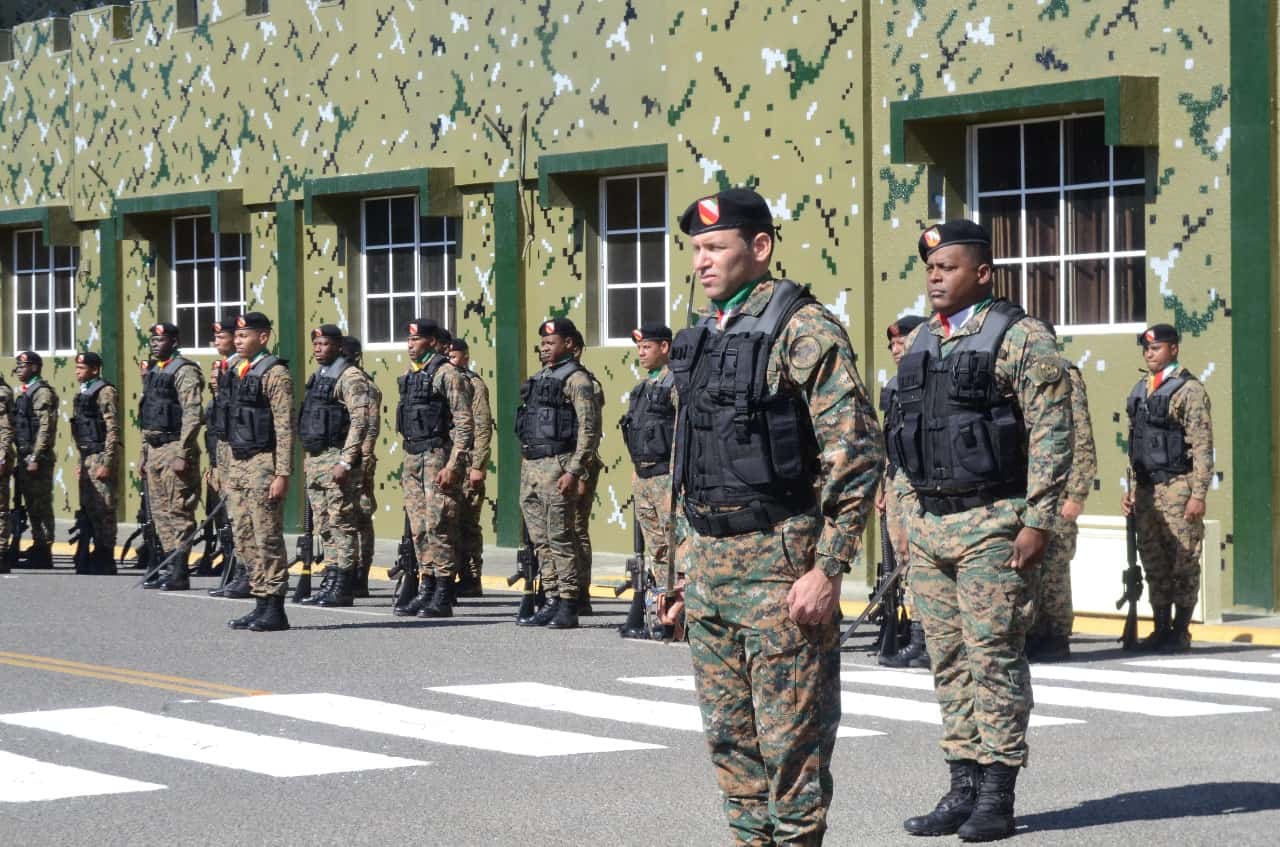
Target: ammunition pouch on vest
{"points": [[251, 426], [88, 426], [546, 423], [1157, 442], [423, 416], [323, 422]]}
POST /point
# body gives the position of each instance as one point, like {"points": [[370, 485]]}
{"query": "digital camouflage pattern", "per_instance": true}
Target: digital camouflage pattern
{"points": [[769, 689], [333, 503], [975, 608], [7, 459], [98, 497], [1168, 543], [896, 489], [367, 506], [653, 509], [37, 488], [174, 494], [471, 538], [582, 523]]}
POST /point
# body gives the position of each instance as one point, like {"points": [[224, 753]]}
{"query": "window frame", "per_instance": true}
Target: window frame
{"points": [[220, 306], [1111, 255], [602, 283], [49, 271]]}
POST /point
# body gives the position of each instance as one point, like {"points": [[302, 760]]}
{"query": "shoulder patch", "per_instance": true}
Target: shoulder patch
{"points": [[805, 352], [1046, 371]]}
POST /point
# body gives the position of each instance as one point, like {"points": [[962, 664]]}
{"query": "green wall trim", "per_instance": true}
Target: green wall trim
{"points": [[288, 339], [1253, 387], [56, 225], [602, 161], [413, 178], [111, 316], [509, 317], [225, 208], [1129, 103]]}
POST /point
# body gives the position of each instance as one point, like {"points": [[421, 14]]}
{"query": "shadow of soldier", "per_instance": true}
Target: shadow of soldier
{"points": [[1210, 799]]}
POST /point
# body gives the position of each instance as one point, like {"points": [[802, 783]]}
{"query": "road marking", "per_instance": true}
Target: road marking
{"points": [[24, 780], [1175, 682], [1050, 695], [593, 704], [125, 675], [1222, 665], [437, 727], [198, 742]]}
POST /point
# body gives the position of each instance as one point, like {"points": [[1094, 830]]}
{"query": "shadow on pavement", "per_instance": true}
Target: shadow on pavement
{"points": [[1183, 801], [396, 623]]}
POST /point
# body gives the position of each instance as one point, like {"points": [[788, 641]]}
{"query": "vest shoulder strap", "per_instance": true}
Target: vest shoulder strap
{"points": [[265, 364]]}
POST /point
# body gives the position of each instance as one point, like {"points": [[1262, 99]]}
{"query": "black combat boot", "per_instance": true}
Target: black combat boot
{"points": [[159, 576], [583, 608], [913, 655], [243, 622], [272, 618], [426, 591], [177, 578], [237, 587], [992, 817], [469, 586], [566, 616], [1162, 631], [1179, 640], [317, 598], [1048, 648], [544, 615], [956, 805], [360, 584], [441, 603], [103, 560], [39, 555], [339, 593]]}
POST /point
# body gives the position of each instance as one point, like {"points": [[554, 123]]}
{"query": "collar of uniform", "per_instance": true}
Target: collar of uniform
{"points": [[31, 382], [656, 374], [961, 321], [419, 364], [567, 357], [88, 384], [745, 299]]}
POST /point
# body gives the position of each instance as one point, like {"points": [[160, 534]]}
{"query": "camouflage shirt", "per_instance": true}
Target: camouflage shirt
{"points": [[1084, 455], [483, 418], [188, 382], [6, 421], [277, 383], [1190, 408], [580, 391], [373, 426], [456, 388], [352, 391], [109, 405], [44, 406]]}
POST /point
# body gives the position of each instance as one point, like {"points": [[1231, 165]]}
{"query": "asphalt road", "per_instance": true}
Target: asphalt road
{"points": [[112, 694]]}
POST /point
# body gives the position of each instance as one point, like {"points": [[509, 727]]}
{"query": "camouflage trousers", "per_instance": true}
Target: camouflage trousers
{"points": [[769, 689], [549, 517], [98, 499], [1169, 544], [5, 474], [333, 507], [174, 496], [433, 513], [895, 517], [976, 611], [471, 540], [257, 523], [1055, 615], [366, 508], [37, 496], [582, 531], [653, 514]]}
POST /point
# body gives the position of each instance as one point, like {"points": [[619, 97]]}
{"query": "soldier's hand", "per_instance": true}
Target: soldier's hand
{"points": [[279, 488], [1028, 548], [1070, 509], [1126, 503], [446, 478], [476, 478], [880, 500], [1194, 511], [813, 597], [101, 473], [77, 471], [567, 482], [340, 472], [671, 605], [582, 488], [33, 467], [178, 465]]}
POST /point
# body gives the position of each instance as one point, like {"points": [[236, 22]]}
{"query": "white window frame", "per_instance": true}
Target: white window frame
{"points": [[49, 272], [451, 231], [604, 287], [203, 333], [1110, 255]]}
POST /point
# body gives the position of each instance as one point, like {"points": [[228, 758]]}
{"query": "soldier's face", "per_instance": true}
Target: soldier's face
{"points": [[325, 349], [1159, 355], [553, 348], [653, 354], [250, 342], [459, 359], [724, 262], [224, 343], [84, 372], [162, 346], [418, 345], [955, 279], [24, 371], [898, 348]]}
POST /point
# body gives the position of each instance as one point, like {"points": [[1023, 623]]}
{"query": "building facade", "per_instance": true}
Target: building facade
{"points": [[495, 164]]}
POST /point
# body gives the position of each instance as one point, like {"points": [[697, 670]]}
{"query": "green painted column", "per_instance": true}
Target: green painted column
{"points": [[288, 341], [509, 318], [111, 316]]}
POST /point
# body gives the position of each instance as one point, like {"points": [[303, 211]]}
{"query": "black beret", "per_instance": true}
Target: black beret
{"points": [[327, 331], [737, 208], [460, 345], [651, 332], [562, 327], [1160, 332], [91, 359], [30, 357], [902, 327], [165, 330], [422, 328], [444, 335], [253, 320], [351, 346], [953, 232], [227, 323]]}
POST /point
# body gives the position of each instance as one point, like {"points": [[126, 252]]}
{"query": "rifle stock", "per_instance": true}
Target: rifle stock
{"points": [[891, 606], [527, 560], [178, 557], [405, 568], [81, 535], [18, 524], [1132, 585], [306, 555], [634, 626]]}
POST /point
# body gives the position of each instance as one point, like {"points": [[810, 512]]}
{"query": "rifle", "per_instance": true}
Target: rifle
{"points": [[639, 584], [877, 600], [306, 555], [227, 544], [178, 557], [81, 535], [405, 570], [890, 638], [528, 569], [18, 525], [210, 540], [145, 553], [1132, 581]]}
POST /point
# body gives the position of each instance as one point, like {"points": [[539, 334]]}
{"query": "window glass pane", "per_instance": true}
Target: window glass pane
{"points": [[26, 292], [621, 256], [62, 257], [24, 251], [1130, 162], [998, 158], [26, 333], [1087, 217], [205, 316], [620, 204], [433, 267], [1042, 291], [42, 293], [451, 311], [402, 311], [433, 307], [653, 257], [622, 312], [1007, 282], [653, 305], [376, 221], [1086, 152], [1002, 218], [184, 244], [653, 201], [431, 230], [187, 322], [230, 245], [41, 340], [63, 291], [1130, 217], [204, 283], [1042, 224], [1131, 290], [1042, 154], [204, 239], [185, 283], [379, 320], [229, 286], [377, 272], [1087, 292], [62, 330], [403, 260], [403, 211]]}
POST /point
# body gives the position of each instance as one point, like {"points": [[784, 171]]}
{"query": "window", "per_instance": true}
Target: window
{"points": [[1066, 216], [256, 7], [188, 13], [208, 277], [44, 307], [408, 268], [633, 256], [61, 34]]}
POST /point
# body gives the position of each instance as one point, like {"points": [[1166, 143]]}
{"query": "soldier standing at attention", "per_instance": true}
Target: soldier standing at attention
{"points": [[170, 415], [985, 441], [6, 467], [471, 541], [777, 460], [558, 425], [586, 495], [331, 427], [95, 427], [35, 430], [256, 477], [217, 418], [434, 417], [367, 506], [1050, 637], [1171, 451]]}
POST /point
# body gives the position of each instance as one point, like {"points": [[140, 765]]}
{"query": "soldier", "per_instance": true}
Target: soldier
{"points": [[256, 475], [777, 460], [217, 421], [95, 427], [1049, 638], [367, 505], [587, 496], [471, 542], [558, 425], [434, 417], [170, 416], [35, 430], [6, 468], [984, 438], [1171, 451], [647, 429], [331, 426]]}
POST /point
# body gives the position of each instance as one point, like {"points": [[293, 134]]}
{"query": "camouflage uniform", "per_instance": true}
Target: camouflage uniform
{"points": [[174, 495], [471, 542], [7, 460], [976, 608], [368, 503], [98, 497], [653, 511], [1054, 612], [37, 488], [769, 689]]}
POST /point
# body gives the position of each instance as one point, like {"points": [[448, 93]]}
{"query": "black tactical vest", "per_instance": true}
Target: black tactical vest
{"points": [[746, 458], [217, 415], [25, 422], [891, 415], [159, 411], [323, 422], [250, 425], [1157, 442], [88, 426], [647, 427], [546, 423], [959, 439], [423, 415]]}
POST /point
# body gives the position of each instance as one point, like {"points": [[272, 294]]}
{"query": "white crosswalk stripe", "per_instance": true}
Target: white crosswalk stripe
{"points": [[25, 780], [198, 742], [1167, 681], [434, 726], [1213, 665]]}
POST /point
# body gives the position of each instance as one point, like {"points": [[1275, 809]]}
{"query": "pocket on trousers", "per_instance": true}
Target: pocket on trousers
{"points": [[782, 655]]}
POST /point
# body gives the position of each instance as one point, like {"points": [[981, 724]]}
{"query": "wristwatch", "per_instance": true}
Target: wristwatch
{"points": [[832, 567]]}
